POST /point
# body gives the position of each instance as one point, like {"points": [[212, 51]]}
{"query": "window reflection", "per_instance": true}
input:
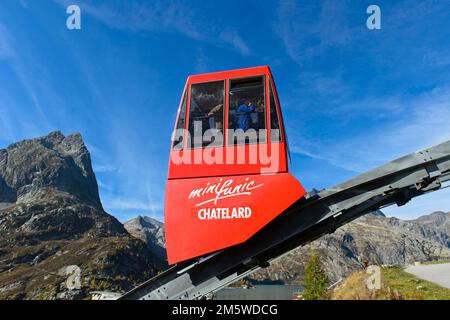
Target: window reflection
{"points": [[206, 114]]}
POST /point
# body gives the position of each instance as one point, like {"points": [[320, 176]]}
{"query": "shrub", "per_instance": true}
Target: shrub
{"points": [[315, 281]]}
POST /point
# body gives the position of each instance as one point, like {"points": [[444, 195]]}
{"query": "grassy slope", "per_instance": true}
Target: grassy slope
{"points": [[396, 284]]}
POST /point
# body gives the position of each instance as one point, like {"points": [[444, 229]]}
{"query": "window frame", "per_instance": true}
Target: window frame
{"points": [[180, 105], [264, 77], [188, 118], [277, 109]]}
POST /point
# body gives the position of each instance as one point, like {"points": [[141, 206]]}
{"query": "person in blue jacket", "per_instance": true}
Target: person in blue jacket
{"points": [[244, 111]]}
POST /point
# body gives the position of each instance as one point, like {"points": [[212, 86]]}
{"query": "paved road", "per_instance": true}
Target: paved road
{"points": [[436, 273]]}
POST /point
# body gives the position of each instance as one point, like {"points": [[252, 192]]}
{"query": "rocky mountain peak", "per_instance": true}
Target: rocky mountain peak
{"points": [[51, 218], [149, 230], [438, 218], [29, 168]]}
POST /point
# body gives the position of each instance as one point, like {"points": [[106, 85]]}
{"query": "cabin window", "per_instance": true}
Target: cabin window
{"points": [[246, 119], [206, 114], [275, 131], [177, 139]]}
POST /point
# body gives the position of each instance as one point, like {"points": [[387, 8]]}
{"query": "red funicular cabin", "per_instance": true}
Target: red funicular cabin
{"points": [[228, 169]]}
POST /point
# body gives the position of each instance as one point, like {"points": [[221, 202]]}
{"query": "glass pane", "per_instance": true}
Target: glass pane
{"points": [[177, 139], [247, 120], [206, 114], [275, 132]]}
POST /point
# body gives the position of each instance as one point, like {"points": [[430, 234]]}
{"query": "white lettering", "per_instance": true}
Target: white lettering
{"points": [[224, 189], [224, 213]]}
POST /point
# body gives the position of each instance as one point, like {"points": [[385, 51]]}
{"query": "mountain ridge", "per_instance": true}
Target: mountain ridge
{"points": [[51, 218], [150, 231]]}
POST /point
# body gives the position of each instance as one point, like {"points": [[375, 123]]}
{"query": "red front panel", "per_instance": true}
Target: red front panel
{"points": [[203, 215], [268, 158]]}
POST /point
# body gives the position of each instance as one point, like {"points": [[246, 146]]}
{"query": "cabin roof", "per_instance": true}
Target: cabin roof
{"points": [[221, 75]]}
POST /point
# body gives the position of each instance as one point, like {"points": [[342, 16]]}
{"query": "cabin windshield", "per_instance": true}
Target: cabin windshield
{"points": [[246, 119], [206, 114]]}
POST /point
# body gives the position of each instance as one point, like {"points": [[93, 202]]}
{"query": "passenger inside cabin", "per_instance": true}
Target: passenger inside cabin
{"points": [[247, 110], [244, 111], [215, 117]]}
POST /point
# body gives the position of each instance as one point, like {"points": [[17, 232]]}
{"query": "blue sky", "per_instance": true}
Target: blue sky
{"points": [[352, 98]]}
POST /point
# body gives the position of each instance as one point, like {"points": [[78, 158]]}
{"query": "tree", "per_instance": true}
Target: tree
{"points": [[316, 281]]}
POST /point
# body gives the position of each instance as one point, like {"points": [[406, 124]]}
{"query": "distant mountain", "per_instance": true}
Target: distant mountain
{"points": [[51, 217], [439, 225], [151, 231]]}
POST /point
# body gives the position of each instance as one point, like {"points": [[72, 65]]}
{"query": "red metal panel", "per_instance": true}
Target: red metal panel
{"points": [[203, 215], [267, 161]]}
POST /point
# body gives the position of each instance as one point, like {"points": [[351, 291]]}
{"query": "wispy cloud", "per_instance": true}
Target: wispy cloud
{"points": [[423, 123], [24, 4], [140, 16], [129, 178], [25, 67], [105, 168], [132, 204], [162, 16], [5, 47], [201, 65], [234, 39], [319, 88], [101, 160], [309, 29], [434, 58], [411, 123]]}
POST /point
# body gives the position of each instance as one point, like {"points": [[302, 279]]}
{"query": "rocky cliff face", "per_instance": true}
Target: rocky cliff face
{"points": [[51, 217], [29, 168], [151, 231], [435, 226]]}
